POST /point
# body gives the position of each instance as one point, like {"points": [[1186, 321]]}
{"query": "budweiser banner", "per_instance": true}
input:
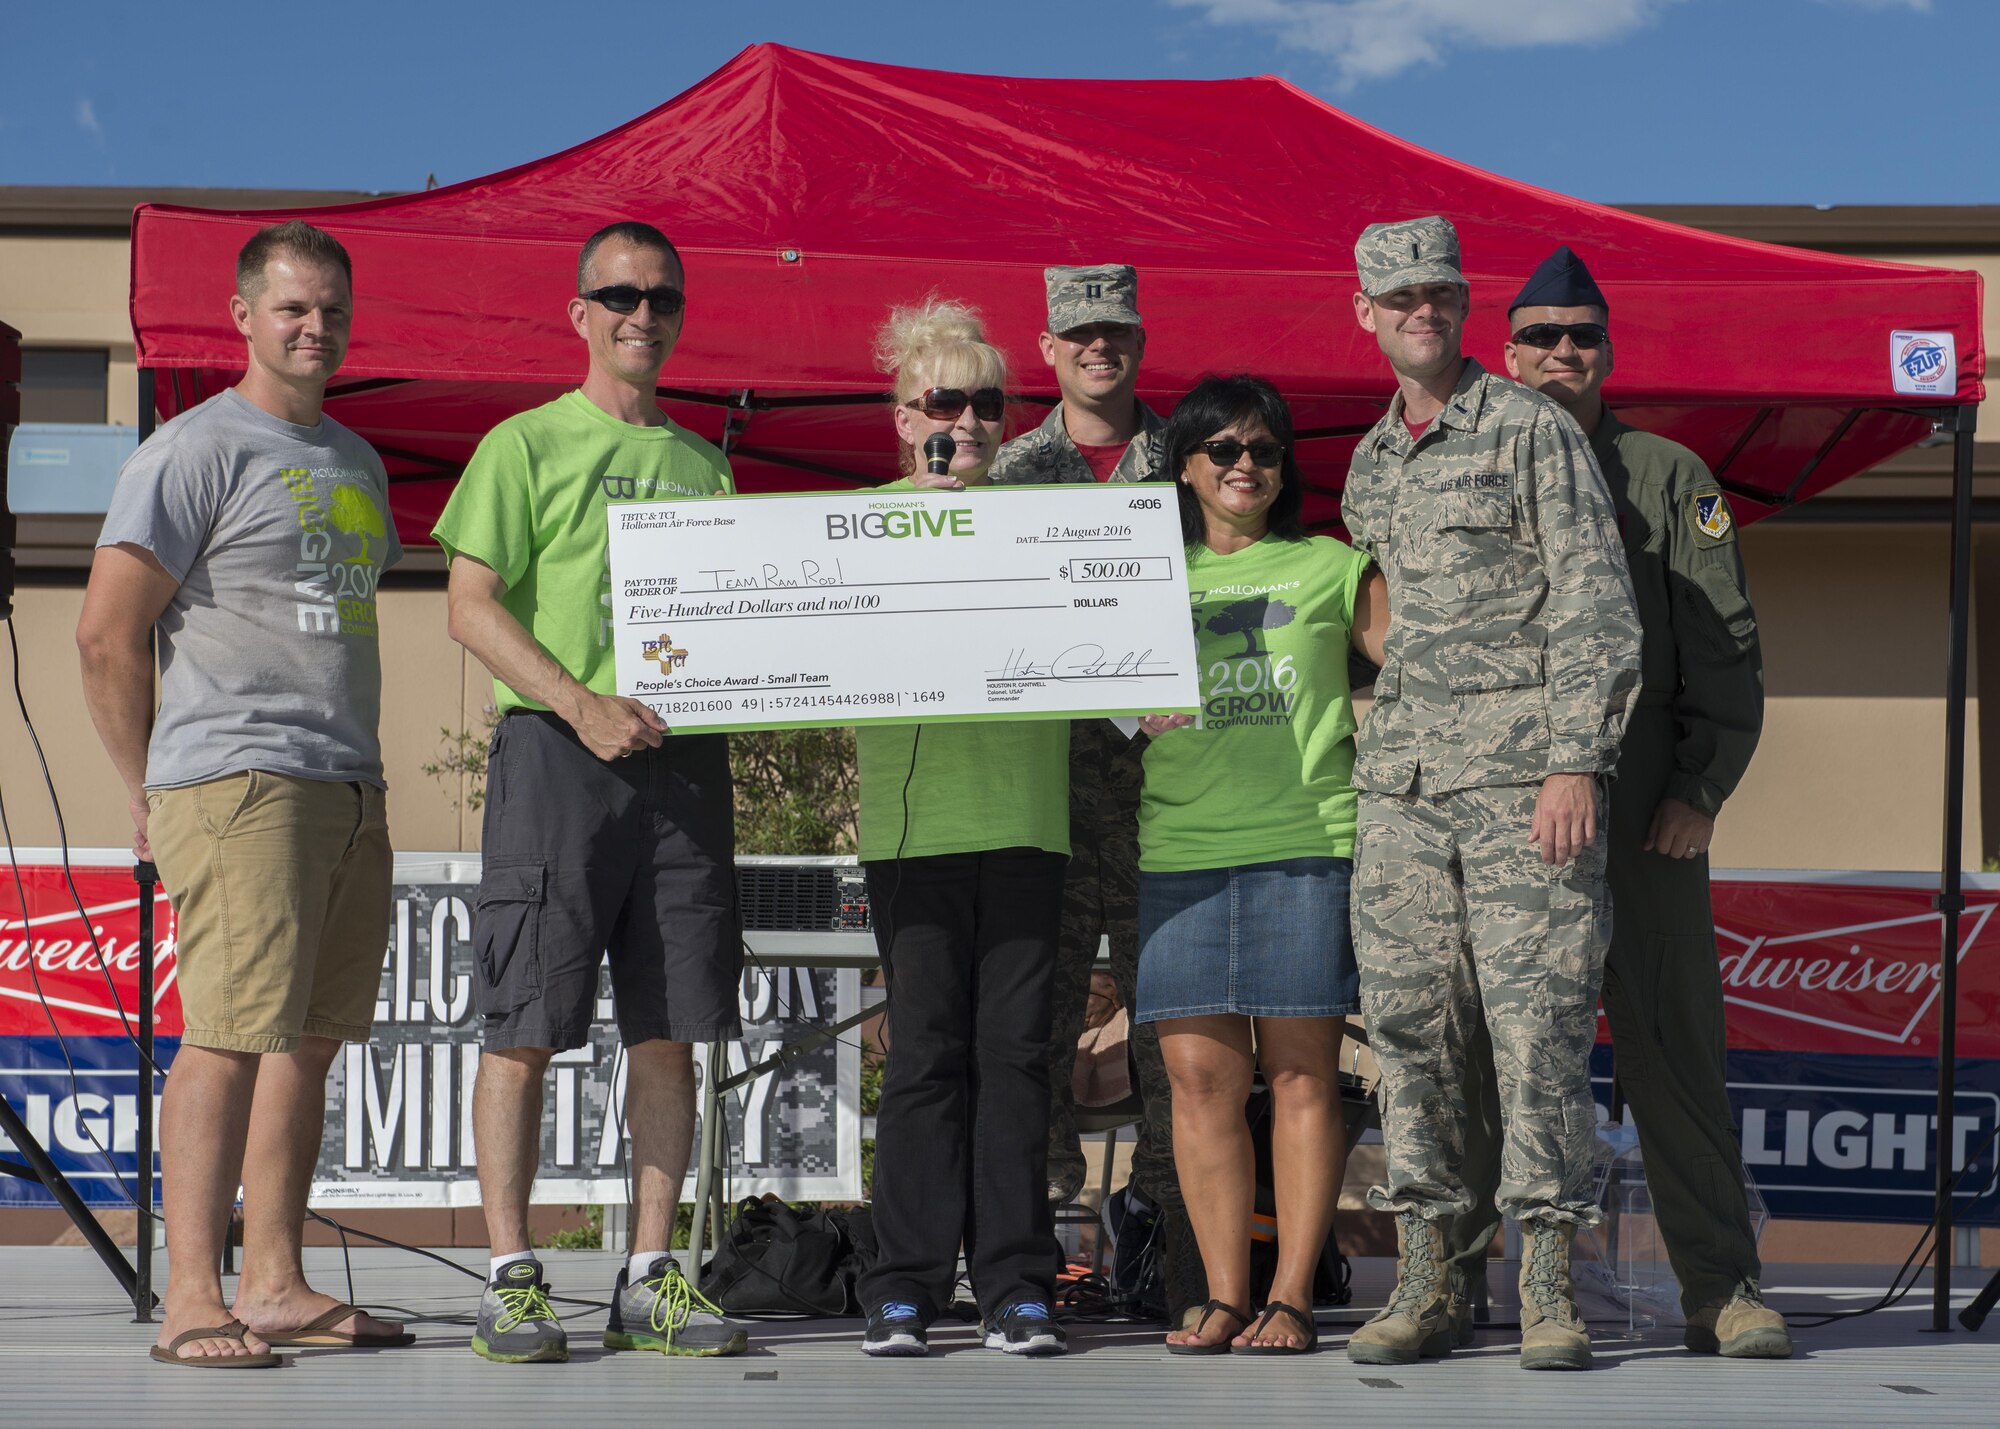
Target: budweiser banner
{"points": [[398, 1122], [1831, 982]]}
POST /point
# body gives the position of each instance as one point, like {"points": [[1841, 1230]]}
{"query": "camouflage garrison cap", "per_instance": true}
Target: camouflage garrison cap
{"points": [[1388, 256], [1108, 293]]}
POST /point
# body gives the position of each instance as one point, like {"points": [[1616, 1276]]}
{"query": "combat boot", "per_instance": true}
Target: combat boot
{"points": [[1552, 1333], [1740, 1327], [1417, 1324]]}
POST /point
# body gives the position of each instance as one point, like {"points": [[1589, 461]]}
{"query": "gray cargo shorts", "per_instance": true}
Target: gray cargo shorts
{"points": [[634, 859]]}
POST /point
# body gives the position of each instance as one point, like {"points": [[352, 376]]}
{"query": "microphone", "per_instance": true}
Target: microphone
{"points": [[939, 449]]}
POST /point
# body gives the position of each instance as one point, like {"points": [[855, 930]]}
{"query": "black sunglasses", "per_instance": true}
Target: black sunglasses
{"points": [[624, 298], [1584, 336], [943, 404], [1227, 452]]}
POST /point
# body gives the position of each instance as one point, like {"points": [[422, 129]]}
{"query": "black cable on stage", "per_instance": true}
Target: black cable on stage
{"points": [[1899, 1287]]}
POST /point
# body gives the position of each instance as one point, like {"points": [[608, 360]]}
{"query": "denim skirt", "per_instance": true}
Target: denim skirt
{"points": [[1260, 939]]}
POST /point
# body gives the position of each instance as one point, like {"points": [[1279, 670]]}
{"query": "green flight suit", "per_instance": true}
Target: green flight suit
{"points": [[1701, 707]]}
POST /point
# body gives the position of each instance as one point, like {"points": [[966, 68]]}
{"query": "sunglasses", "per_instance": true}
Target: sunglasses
{"points": [[624, 298], [1227, 453], [1582, 335], [944, 404]]}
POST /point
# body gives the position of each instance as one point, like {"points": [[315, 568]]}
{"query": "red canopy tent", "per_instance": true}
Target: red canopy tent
{"points": [[809, 193]]}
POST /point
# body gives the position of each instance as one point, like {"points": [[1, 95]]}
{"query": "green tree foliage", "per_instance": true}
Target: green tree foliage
{"points": [[796, 790]]}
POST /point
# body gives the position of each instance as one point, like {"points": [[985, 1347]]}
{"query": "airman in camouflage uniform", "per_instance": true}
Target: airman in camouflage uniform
{"points": [[1700, 709], [1093, 341], [1512, 660]]}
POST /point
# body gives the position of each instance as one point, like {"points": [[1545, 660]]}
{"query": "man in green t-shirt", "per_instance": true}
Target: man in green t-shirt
{"points": [[601, 833]]}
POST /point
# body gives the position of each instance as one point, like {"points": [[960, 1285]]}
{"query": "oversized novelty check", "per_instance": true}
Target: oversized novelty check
{"points": [[881, 607]]}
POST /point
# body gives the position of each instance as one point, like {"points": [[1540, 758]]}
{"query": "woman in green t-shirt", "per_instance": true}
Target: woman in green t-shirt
{"points": [[1246, 845], [965, 837]]}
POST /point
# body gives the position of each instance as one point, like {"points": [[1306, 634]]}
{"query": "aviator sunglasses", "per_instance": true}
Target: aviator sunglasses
{"points": [[1227, 452], [1583, 335], [943, 404], [624, 298]]}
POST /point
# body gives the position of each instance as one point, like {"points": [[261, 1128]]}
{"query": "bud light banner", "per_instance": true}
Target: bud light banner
{"points": [[398, 1122], [1830, 981]]}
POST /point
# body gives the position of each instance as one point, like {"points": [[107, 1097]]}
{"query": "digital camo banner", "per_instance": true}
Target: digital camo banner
{"points": [[398, 1121]]}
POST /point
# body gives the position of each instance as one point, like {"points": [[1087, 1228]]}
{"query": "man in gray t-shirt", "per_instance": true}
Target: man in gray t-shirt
{"points": [[249, 534], [277, 535]]}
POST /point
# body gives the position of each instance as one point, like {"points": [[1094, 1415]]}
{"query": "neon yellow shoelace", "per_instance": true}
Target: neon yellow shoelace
{"points": [[520, 1304], [674, 1299]]}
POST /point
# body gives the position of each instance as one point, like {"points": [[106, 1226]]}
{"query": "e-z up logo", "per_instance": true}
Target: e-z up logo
{"points": [[899, 524], [1923, 362], [664, 653]]}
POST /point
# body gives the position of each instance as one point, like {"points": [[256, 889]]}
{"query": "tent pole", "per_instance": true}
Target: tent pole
{"points": [[1950, 900], [148, 401]]}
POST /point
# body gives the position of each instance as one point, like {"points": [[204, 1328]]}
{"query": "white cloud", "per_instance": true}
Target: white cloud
{"points": [[86, 120], [1375, 39]]}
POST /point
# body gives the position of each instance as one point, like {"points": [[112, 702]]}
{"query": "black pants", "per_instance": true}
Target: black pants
{"points": [[961, 1138]]}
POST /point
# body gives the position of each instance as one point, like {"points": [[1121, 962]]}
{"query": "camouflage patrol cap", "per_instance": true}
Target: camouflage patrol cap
{"points": [[1107, 293], [1406, 254]]}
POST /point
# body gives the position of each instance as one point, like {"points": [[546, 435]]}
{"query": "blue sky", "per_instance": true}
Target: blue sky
{"points": [[1662, 101]]}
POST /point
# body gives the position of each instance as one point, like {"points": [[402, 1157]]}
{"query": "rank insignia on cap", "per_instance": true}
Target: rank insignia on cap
{"points": [[1711, 515]]}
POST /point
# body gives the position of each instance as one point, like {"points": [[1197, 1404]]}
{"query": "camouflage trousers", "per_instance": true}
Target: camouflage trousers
{"points": [[1663, 1001], [1101, 902], [1458, 920]]}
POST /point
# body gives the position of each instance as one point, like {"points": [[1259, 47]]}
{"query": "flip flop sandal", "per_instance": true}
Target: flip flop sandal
{"points": [[1271, 1312], [320, 1333], [234, 1330], [1219, 1347]]}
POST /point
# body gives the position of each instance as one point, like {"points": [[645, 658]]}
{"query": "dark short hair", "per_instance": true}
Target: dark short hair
{"points": [[1218, 402], [297, 239], [639, 235]]}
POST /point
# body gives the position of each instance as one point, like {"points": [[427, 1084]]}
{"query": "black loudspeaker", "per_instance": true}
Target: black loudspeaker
{"points": [[10, 417]]}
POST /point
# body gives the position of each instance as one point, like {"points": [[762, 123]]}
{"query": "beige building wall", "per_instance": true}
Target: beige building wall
{"points": [[69, 291], [1850, 772]]}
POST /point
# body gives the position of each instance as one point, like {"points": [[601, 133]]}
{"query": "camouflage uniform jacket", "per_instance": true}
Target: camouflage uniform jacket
{"points": [[1047, 456], [1513, 645], [1701, 653]]}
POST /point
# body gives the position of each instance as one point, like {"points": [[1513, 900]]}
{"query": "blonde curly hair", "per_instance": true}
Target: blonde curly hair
{"points": [[939, 342]]}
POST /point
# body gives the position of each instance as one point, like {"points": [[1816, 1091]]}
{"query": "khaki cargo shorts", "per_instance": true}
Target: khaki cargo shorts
{"points": [[282, 901]]}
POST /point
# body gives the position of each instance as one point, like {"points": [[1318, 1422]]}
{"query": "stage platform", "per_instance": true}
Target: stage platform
{"points": [[71, 1354]]}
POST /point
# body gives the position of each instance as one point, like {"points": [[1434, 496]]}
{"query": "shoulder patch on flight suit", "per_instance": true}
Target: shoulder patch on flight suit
{"points": [[1710, 513]]}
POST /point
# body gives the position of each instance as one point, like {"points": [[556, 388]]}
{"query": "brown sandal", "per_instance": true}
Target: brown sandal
{"points": [[234, 1330], [1219, 1347], [320, 1333], [1271, 1312]]}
